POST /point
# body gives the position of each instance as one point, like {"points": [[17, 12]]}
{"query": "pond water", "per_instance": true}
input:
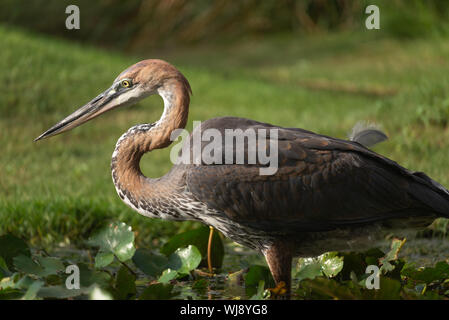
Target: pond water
{"points": [[228, 284], [424, 252]]}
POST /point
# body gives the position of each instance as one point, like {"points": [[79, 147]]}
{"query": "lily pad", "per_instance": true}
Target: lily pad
{"points": [[331, 263], [167, 276], [150, 263], [392, 255], [89, 277], [308, 268], [325, 288], [44, 266], [125, 284], [10, 294], [257, 273], [199, 238], [51, 265], [116, 238], [389, 289], [27, 265], [61, 292], [3, 268], [158, 291], [10, 247], [180, 262], [10, 282], [429, 274], [33, 289], [260, 294], [184, 260], [103, 259]]}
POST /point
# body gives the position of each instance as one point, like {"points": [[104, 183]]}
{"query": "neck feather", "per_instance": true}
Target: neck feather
{"points": [[129, 181]]}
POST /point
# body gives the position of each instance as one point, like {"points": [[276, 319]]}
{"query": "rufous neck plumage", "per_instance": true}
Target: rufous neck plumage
{"points": [[144, 138]]}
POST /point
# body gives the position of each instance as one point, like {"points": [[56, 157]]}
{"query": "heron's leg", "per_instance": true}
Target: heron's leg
{"points": [[209, 249], [279, 258]]}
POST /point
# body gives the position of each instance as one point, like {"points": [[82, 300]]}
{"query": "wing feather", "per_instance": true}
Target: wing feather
{"points": [[321, 183]]}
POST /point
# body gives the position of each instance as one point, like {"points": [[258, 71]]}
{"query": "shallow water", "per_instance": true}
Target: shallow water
{"points": [[425, 252], [421, 251]]}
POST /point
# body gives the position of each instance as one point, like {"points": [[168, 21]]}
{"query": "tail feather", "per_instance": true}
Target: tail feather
{"points": [[367, 135], [431, 193], [426, 190]]}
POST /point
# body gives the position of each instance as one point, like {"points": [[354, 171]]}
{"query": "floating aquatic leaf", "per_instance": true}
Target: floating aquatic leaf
{"points": [[117, 238], [430, 274], [24, 282], [125, 284], [331, 263], [51, 265], [33, 289], [372, 256], [200, 284], [354, 264], [199, 238], [44, 266], [260, 294], [103, 259], [61, 292], [10, 282], [158, 291], [4, 271], [10, 247], [236, 278], [392, 255], [308, 268], [150, 263], [89, 277], [54, 279], [10, 294], [185, 260], [389, 289], [168, 275], [255, 274], [325, 288], [26, 265]]}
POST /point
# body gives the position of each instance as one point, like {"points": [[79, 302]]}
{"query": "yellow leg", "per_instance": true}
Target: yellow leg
{"points": [[209, 249]]}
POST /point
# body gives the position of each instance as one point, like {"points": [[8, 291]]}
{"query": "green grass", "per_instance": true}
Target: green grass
{"points": [[60, 189]]}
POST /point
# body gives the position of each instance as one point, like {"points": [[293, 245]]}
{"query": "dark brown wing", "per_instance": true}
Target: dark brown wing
{"points": [[321, 183]]}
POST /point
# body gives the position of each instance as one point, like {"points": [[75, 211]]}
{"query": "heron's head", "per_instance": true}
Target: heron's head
{"points": [[135, 83]]}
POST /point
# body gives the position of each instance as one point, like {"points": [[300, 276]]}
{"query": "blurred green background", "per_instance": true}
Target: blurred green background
{"points": [[309, 64]]}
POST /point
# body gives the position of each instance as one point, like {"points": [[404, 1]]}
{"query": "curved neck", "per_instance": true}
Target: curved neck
{"points": [[127, 176]]}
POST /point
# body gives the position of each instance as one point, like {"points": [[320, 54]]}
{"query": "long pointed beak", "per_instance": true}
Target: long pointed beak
{"points": [[99, 105]]}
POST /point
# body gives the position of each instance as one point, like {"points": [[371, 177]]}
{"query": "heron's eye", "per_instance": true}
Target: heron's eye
{"points": [[125, 83]]}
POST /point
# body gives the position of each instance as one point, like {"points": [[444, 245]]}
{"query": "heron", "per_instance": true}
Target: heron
{"points": [[328, 194]]}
